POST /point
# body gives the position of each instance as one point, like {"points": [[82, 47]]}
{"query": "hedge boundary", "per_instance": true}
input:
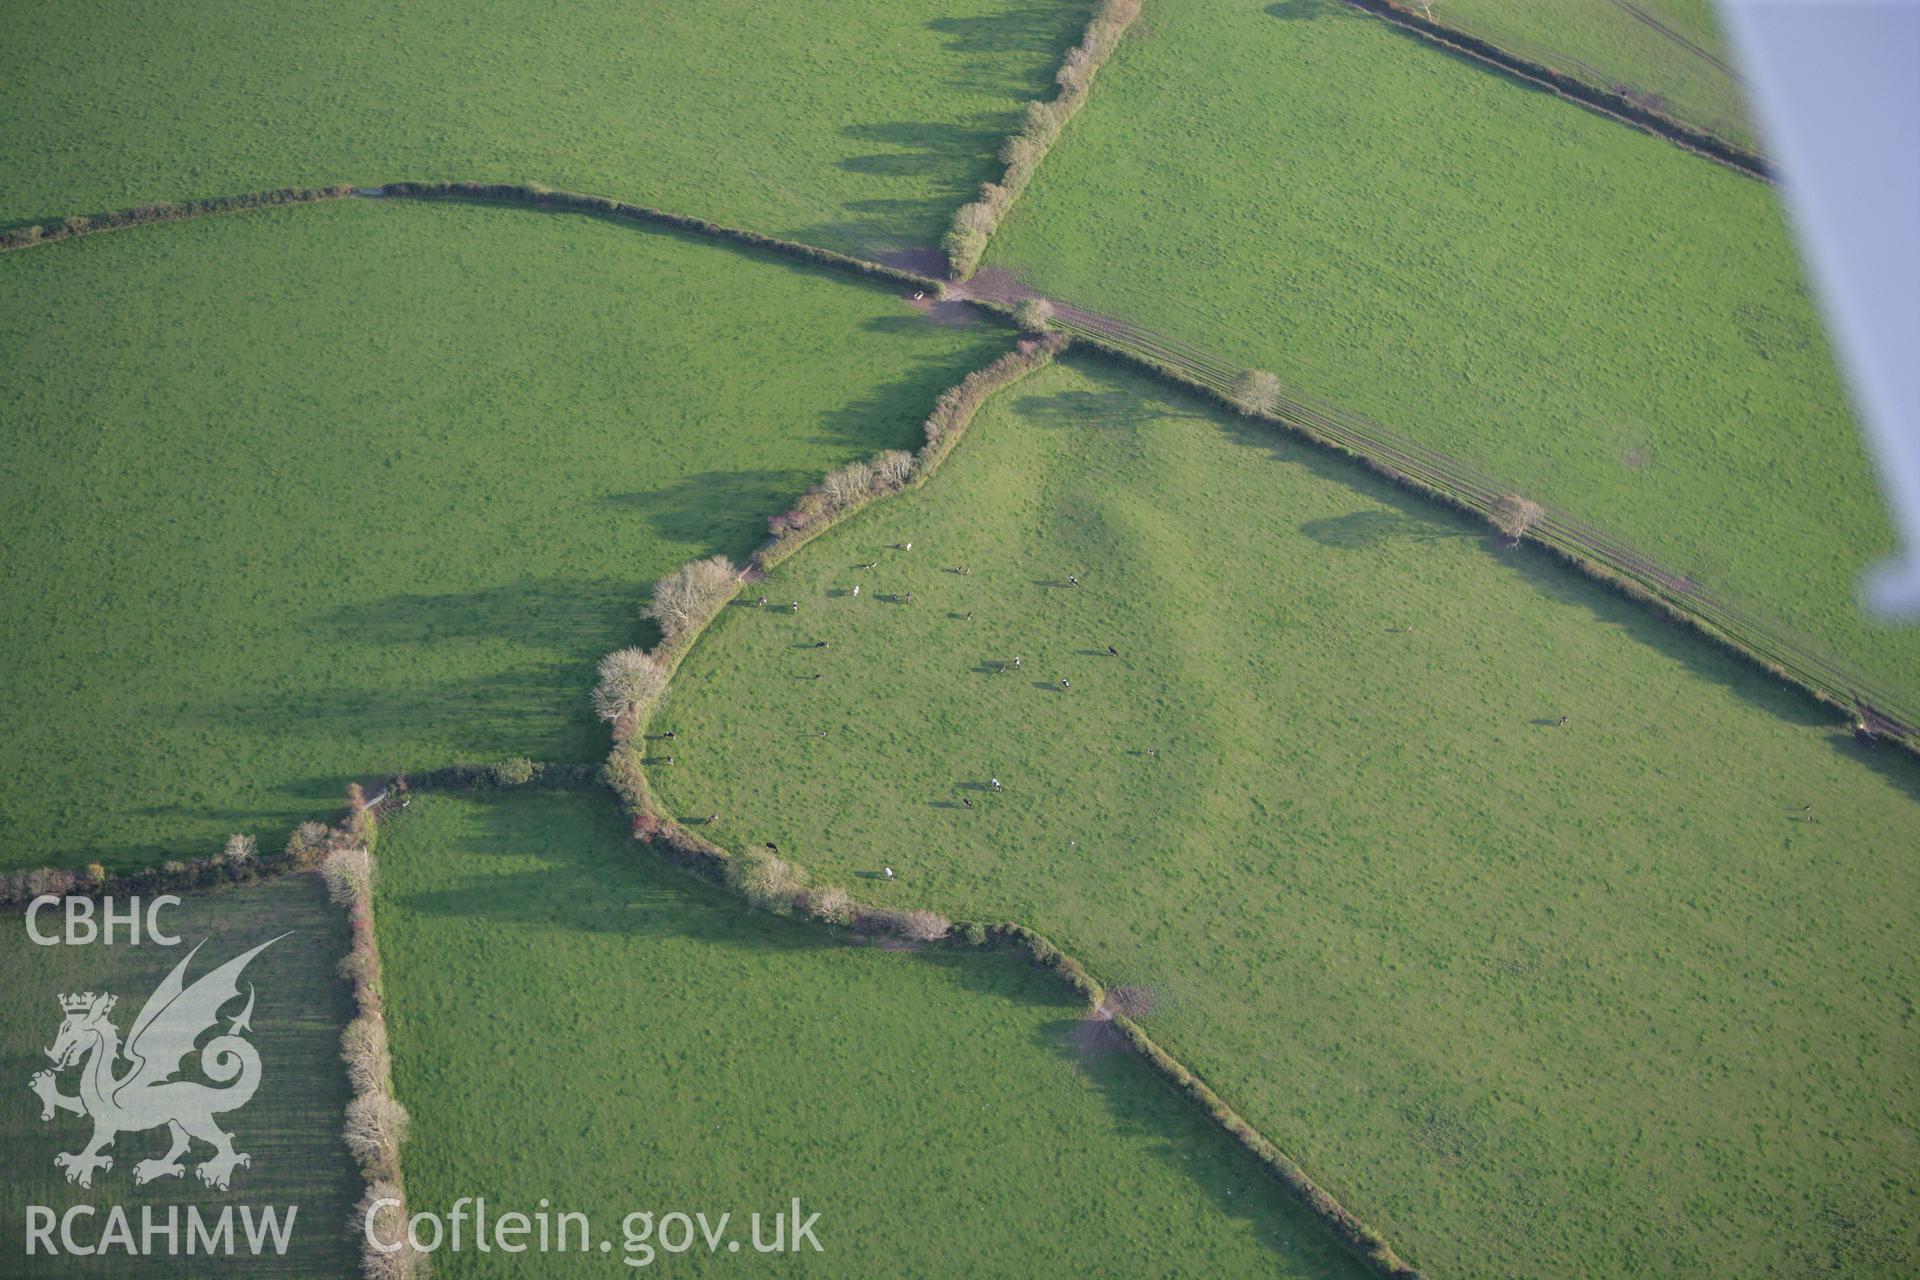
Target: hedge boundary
{"points": [[625, 773], [974, 223], [167, 211], [607, 207], [350, 871], [1618, 106]]}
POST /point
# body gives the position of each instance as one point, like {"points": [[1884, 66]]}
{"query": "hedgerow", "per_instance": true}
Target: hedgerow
{"points": [[545, 197], [974, 223], [165, 211], [376, 1123], [849, 489]]}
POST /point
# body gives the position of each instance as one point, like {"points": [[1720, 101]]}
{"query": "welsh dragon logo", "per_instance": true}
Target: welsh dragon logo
{"points": [[145, 1095]]}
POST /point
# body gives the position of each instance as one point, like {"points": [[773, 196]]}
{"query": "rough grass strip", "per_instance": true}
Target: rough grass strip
{"points": [[974, 223], [166, 211], [1605, 101]]}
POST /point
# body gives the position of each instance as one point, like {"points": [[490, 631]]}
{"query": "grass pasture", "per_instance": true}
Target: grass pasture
{"points": [[299, 496], [644, 1042], [291, 1127], [1667, 54], [1587, 313], [1532, 999], [887, 114]]}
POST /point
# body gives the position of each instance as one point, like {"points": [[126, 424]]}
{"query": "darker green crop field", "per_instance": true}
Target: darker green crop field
{"points": [[1594, 998], [1590, 315], [326, 492], [855, 123], [290, 1128], [575, 1023]]}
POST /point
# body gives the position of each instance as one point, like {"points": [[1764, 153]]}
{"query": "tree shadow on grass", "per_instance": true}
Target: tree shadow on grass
{"points": [[889, 415], [719, 512], [1079, 410], [603, 882], [987, 49], [559, 615], [536, 709], [1148, 1116], [1364, 530]]}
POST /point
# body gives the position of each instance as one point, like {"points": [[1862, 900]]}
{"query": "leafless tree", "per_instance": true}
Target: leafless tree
{"points": [[1256, 391], [767, 879], [688, 596], [631, 680], [376, 1126], [833, 905], [1034, 315], [363, 1047], [845, 486], [349, 875], [894, 467], [387, 1224], [240, 850], [1513, 515]]}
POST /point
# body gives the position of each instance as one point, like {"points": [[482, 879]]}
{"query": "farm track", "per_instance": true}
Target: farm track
{"points": [[1673, 37], [1595, 91]]}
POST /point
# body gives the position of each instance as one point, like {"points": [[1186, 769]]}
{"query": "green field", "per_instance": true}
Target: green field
{"points": [[291, 1127], [1533, 999], [1670, 56], [642, 1041], [1586, 313], [854, 123], [292, 497]]}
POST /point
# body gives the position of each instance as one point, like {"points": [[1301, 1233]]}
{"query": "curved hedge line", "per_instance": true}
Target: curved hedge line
{"points": [[1605, 101], [167, 211], [768, 881]]}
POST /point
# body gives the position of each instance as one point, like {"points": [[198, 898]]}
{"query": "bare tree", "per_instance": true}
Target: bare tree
{"points": [[307, 843], [833, 905], [894, 468], [767, 879], [844, 486], [1513, 515], [688, 596], [1256, 391], [631, 680], [1034, 315], [388, 1225], [376, 1126], [924, 926], [240, 850], [56, 881], [349, 875], [363, 1047]]}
